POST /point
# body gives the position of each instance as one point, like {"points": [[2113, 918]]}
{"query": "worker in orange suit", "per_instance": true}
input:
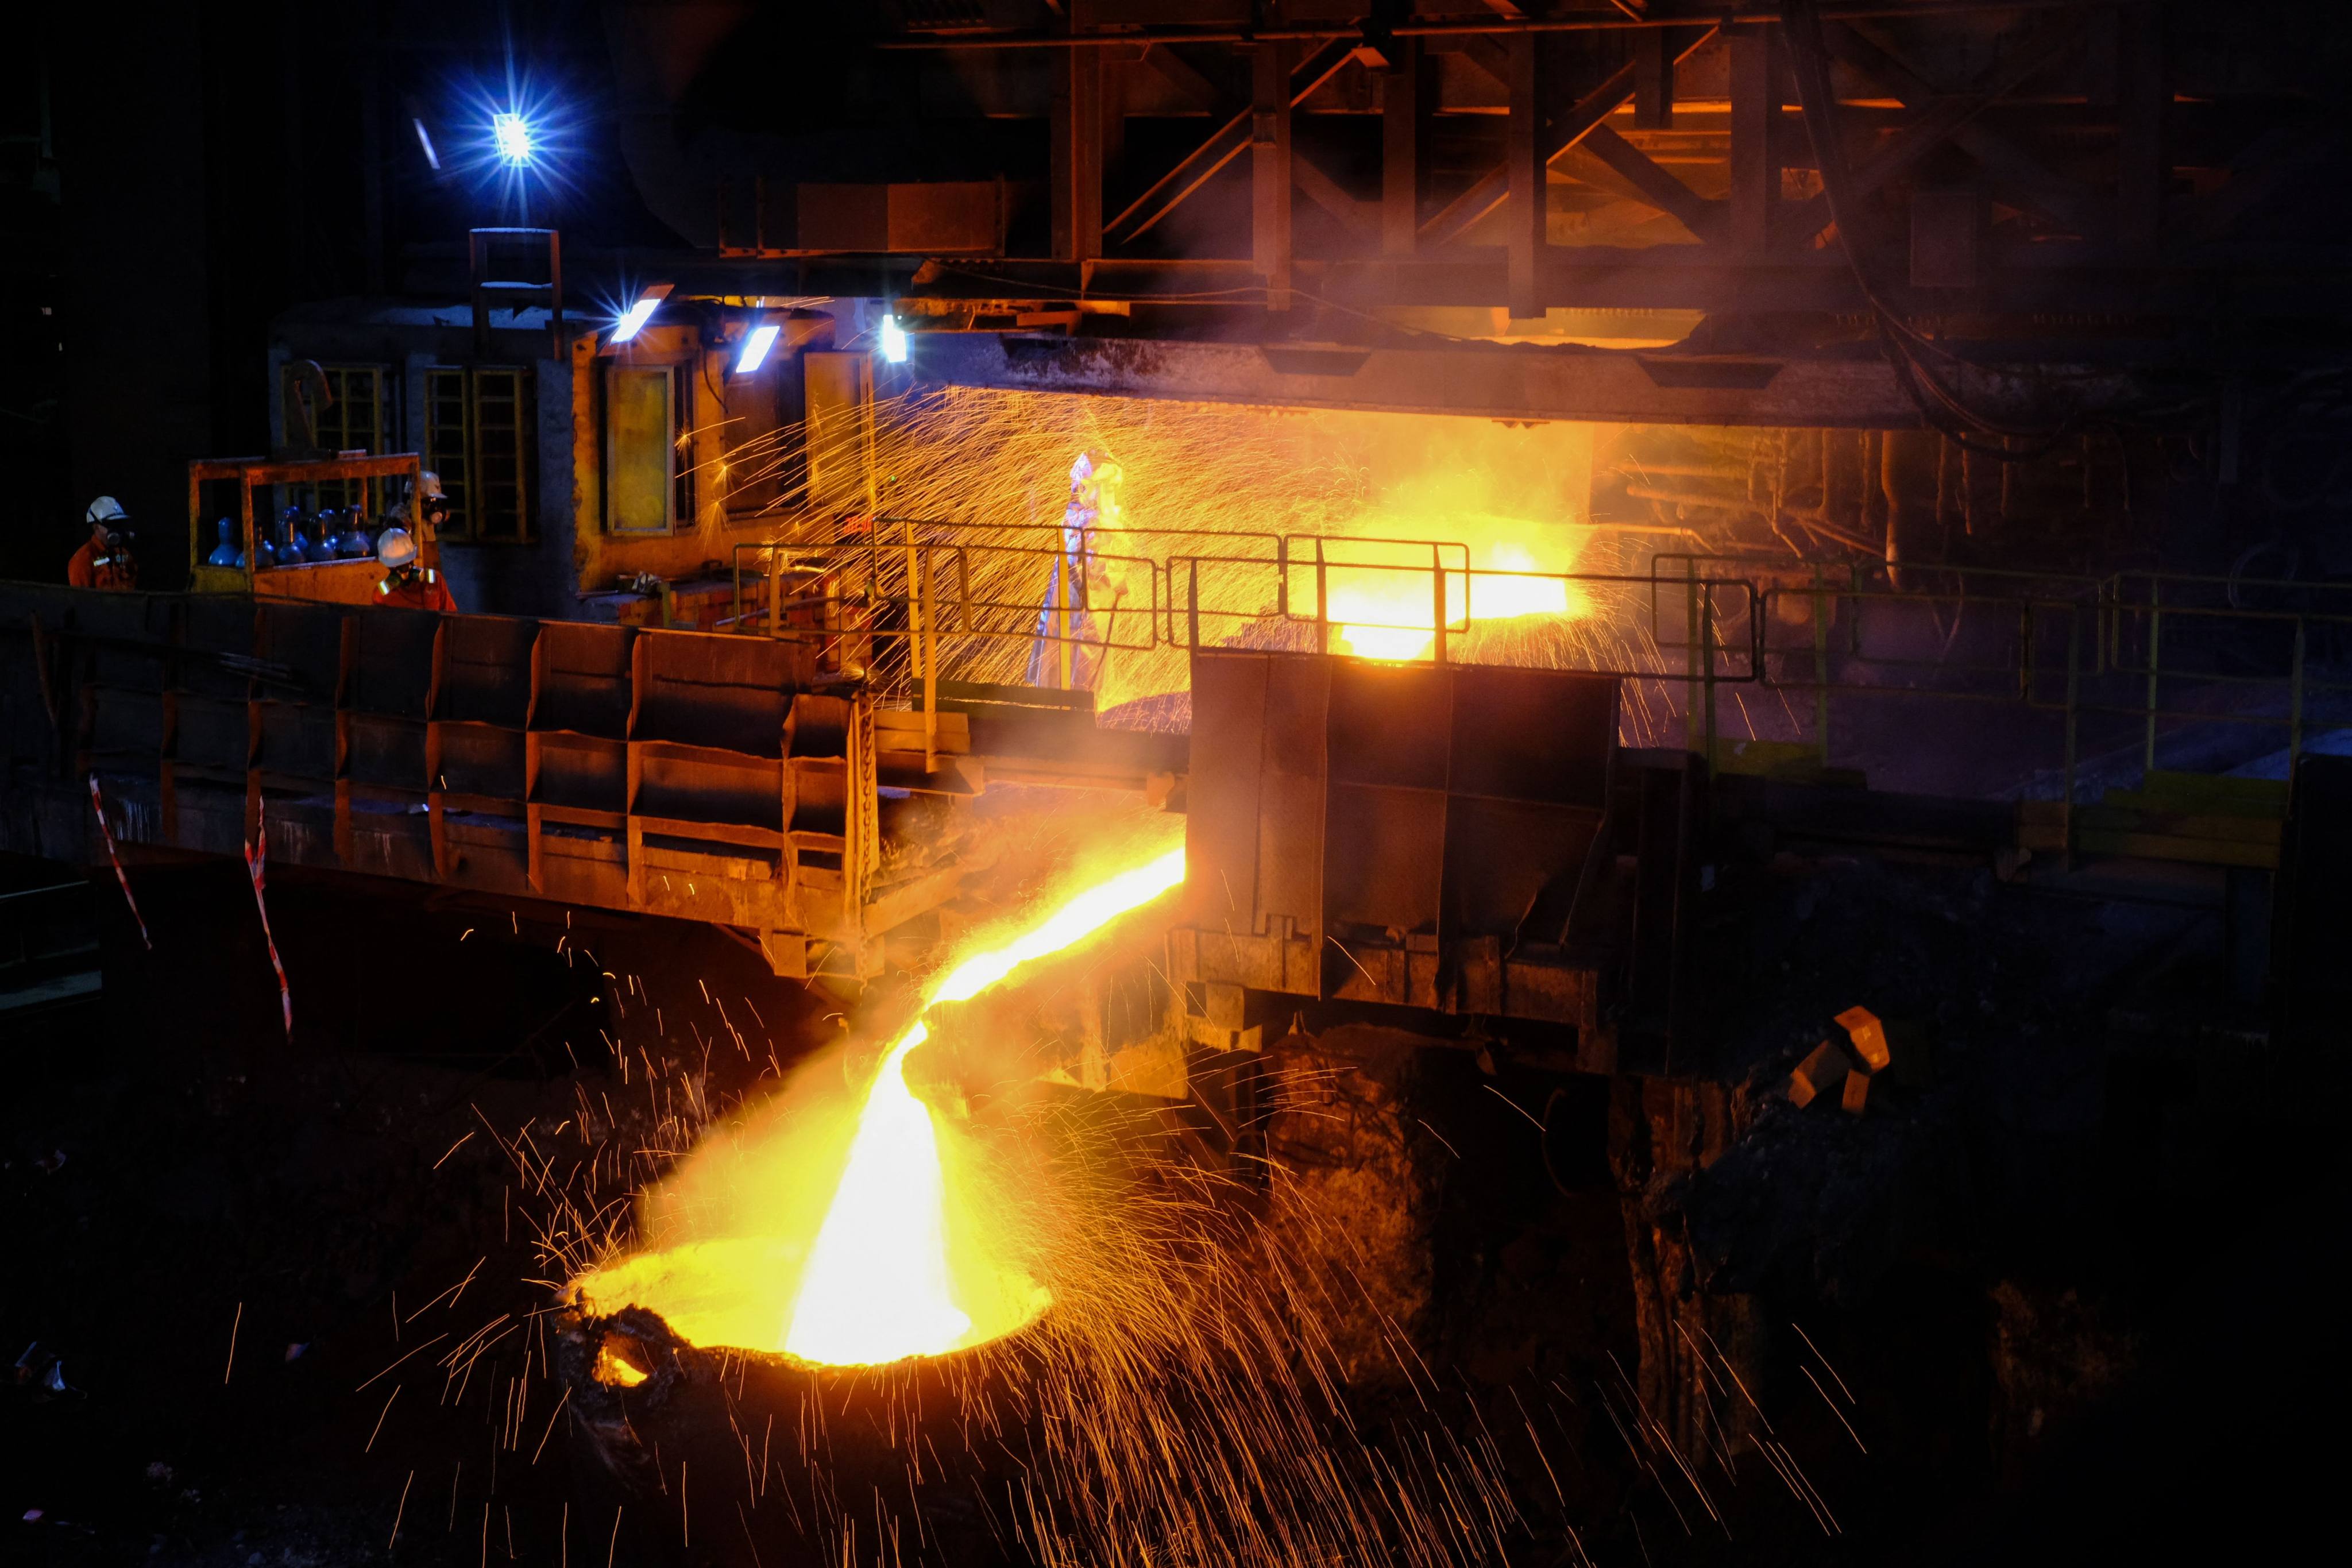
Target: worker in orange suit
{"points": [[407, 584], [104, 558]]}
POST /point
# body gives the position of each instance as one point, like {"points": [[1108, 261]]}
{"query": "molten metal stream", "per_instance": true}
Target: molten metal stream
{"points": [[879, 1284], [903, 1263]]}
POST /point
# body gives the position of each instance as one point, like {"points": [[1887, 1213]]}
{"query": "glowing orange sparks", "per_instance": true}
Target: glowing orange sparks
{"points": [[903, 1263], [1383, 601]]}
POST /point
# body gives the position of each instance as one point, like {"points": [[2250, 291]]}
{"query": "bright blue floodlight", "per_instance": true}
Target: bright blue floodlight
{"points": [[894, 341], [755, 349], [511, 134], [638, 314]]}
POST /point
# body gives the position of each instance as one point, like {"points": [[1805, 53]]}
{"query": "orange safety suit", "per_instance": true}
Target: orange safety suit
{"points": [[422, 590], [93, 567]]}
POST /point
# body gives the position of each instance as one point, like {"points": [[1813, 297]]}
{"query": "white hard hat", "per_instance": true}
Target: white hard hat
{"points": [[105, 508], [428, 486], [395, 549]]}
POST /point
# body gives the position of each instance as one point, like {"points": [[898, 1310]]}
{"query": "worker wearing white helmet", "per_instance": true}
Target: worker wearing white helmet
{"points": [[405, 583], [424, 510], [104, 558]]}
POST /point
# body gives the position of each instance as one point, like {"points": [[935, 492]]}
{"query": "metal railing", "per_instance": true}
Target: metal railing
{"points": [[2162, 652]]}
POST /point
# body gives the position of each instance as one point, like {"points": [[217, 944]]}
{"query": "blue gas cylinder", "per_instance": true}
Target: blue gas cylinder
{"points": [[224, 554]]}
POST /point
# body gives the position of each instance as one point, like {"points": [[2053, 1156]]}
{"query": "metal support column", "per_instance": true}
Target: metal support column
{"points": [[1755, 180], [2155, 669], [1405, 130], [1077, 154], [1529, 172], [1270, 171]]}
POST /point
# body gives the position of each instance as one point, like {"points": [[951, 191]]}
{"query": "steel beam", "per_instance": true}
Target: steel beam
{"points": [[1529, 172], [1331, 195], [2016, 174], [1404, 134], [1654, 185], [1755, 176], [1230, 140], [1478, 381], [1487, 193], [1270, 171], [1076, 155], [1653, 80]]}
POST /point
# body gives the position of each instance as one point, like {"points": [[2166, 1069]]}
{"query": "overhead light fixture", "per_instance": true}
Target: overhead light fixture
{"points": [[894, 341], [755, 348], [424, 139], [648, 301], [511, 134]]}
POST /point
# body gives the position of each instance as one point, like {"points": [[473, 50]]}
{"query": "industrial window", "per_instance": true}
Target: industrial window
{"points": [[765, 469], [356, 420], [647, 490], [478, 440]]}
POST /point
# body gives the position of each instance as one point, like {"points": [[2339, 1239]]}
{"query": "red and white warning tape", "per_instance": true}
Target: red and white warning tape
{"points": [[97, 804], [256, 853]]}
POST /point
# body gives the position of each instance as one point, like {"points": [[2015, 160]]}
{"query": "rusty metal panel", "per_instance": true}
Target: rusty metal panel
{"points": [[127, 725], [707, 691], [117, 623], [491, 853], [1384, 837], [215, 624], [1500, 855], [584, 678], [385, 753], [214, 734], [938, 217], [1290, 796], [1221, 820], [1534, 734], [818, 726], [693, 880], [301, 831], [295, 739], [819, 798], [706, 785], [209, 819], [485, 674], [308, 638], [1532, 754], [532, 737], [480, 759], [1426, 807], [582, 771], [391, 663], [929, 218], [843, 217], [583, 866], [1384, 858], [1391, 723]]}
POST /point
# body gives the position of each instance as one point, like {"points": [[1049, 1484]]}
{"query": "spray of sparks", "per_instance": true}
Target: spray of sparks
{"points": [[887, 1275], [1152, 1364], [1235, 524], [1230, 1371]]}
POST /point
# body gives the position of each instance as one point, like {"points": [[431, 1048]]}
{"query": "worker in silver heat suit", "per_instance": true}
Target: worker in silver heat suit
{"points": [[1082, 593], [420, 514]]}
